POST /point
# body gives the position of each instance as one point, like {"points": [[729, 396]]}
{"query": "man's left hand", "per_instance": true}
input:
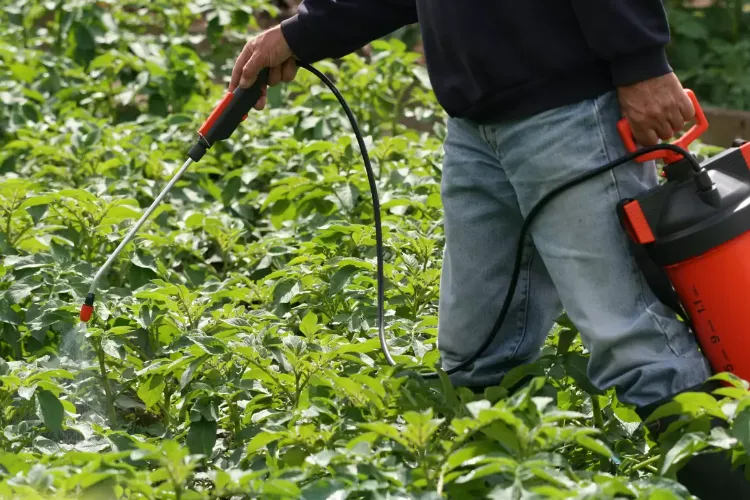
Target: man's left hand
{"points": [[656, 109]]}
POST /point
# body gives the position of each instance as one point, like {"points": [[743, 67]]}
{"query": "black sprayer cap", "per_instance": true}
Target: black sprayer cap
{"points": [[694, 212]]}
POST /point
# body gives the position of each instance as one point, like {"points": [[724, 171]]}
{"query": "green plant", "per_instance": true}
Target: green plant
{"points": [[710, 50]]}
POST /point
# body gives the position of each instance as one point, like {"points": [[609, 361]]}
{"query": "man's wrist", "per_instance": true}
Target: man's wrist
{"points": [[293, 31], [640, 66]]}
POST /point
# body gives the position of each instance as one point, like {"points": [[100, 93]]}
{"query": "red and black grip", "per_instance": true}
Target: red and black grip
{"points": [[227, 115], [701, 125]]}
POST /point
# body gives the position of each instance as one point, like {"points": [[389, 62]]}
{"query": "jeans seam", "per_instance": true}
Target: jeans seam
{"points": [[483, 136], [636, 272], [525, 298], [524, 294]]}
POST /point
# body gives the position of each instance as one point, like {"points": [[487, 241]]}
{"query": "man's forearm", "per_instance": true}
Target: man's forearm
{"points": [[334, 28], [630, 34]]}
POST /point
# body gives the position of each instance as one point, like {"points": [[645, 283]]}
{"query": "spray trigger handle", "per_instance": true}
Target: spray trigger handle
{"points": [[701, 125], [227, 115]]}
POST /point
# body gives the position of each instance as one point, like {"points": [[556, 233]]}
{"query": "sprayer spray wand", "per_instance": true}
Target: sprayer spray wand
{"points": [[220, 124]]}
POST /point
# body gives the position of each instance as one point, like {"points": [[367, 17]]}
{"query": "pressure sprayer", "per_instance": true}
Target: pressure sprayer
{"points": [[690, 234]]}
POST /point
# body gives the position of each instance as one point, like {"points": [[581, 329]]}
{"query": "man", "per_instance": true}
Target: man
{"points": [[534, 90]]}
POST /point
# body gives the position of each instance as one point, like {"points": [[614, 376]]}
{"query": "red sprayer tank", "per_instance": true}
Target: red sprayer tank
{"points": [[695, 228]]}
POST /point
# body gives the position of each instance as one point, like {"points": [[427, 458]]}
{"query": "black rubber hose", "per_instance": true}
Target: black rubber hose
{"points": [[524, 229]]}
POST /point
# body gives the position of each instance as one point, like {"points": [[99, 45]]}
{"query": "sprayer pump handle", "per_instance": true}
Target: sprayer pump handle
{"points": [[701, 125]]}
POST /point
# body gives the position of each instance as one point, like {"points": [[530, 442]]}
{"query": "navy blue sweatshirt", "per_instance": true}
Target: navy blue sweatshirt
{"points": [[500, 59]]}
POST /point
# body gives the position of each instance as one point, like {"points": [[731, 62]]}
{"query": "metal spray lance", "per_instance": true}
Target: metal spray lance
{"points": [[220, 124]]}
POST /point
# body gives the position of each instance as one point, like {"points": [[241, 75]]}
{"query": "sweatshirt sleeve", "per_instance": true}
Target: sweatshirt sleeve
{"points": [[630, 34], [324, 29]]}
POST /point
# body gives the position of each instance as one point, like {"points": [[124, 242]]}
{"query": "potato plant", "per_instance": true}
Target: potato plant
{"points": [[233, 353]]}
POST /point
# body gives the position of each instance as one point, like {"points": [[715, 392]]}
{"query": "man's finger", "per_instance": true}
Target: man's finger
{"points": [[274, 75], [261, 103], [645, 136], [250, 70], [676, 122], [289, 70], [239, 64], [664, 130], [686, 107]]}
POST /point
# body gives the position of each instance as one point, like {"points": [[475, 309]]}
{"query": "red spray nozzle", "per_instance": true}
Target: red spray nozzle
{"points": [[87, 309]]}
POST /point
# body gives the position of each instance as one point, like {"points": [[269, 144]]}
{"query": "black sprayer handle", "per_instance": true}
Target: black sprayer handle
{"points": [[227, 115]]}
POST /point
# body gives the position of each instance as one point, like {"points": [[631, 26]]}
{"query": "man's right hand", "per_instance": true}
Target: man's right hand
{"points": [[657, 108], [267, 50]]}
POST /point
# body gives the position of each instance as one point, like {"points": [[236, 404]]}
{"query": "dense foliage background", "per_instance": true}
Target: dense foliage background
{"points": [[234, 351], [710, 49]]}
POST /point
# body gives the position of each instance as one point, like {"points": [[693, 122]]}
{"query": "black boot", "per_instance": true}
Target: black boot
{"points": [[708, 476]]}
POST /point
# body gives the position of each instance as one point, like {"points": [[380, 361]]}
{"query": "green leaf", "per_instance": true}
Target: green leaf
{"points": [[37, 212], [51, 374], [420, 72], [8, 315], [144, 260], [322, 458], [187, 375], [309, 324], [576, 366], [594, 445], [469, 454], [20, 290], [385, 430], [341, 277], [202, 436], [281, 487], [498, 465], [85, 45], [565, 339], [151, 390], [50, 410], [262, 439], [686, 447], [690, 403], [741, 428], [285, 290], [27, 391]]}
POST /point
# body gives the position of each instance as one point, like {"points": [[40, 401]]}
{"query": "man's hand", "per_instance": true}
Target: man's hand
{"points": [[267, 50], [656, 109]]}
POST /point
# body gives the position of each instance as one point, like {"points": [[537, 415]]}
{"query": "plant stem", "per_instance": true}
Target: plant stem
{"points": [[13, 207], [107, 387], [59, 27], [7, 226], [191, 321], [234, 417], [177, 487], [597, 410], [167, 404], [17, 238], [645, 463], [269, 374], [297, 388], [105, 381]]}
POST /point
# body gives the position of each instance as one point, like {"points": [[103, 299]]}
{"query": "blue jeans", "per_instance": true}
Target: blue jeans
{"points": [[576, 260]]}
